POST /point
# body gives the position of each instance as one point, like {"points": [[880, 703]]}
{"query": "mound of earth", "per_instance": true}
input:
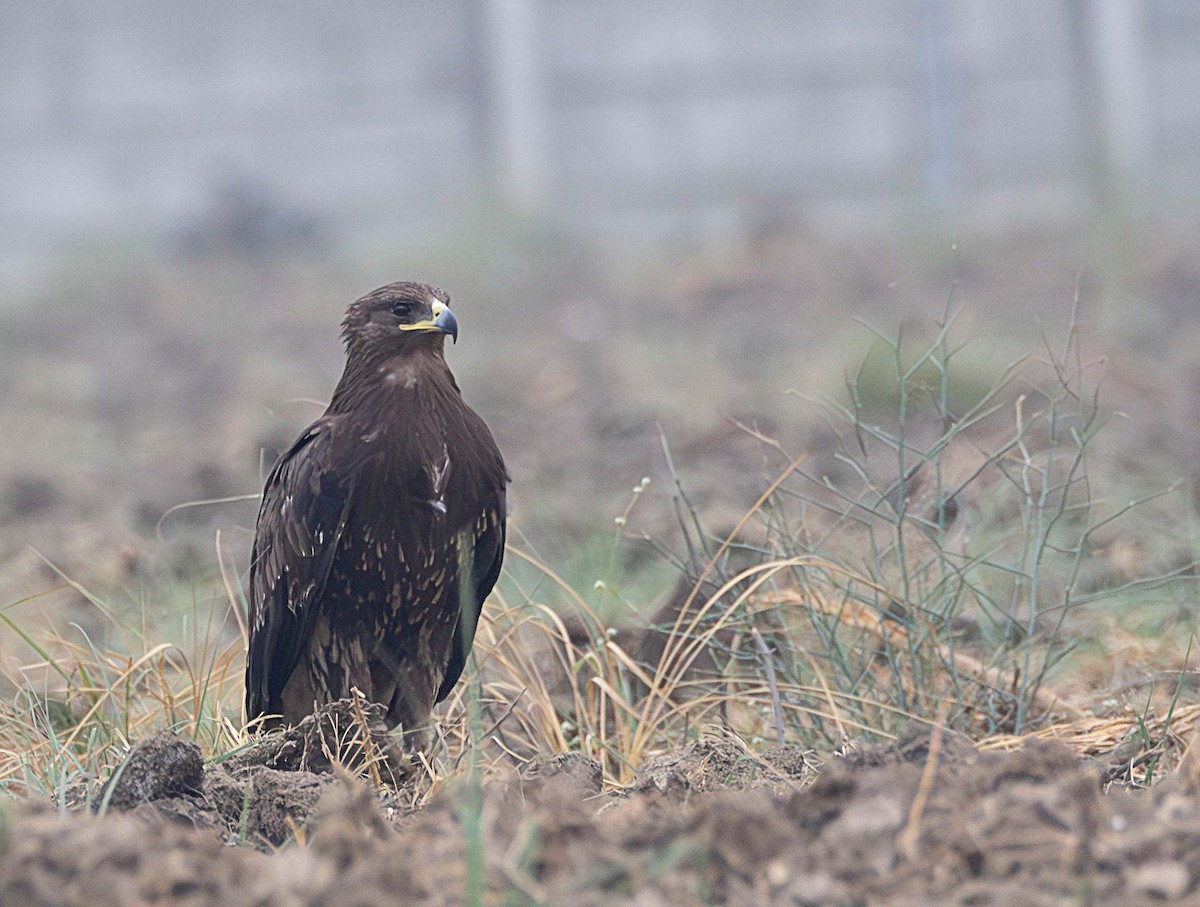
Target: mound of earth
{"points": [[930, 821], [264, 794]]}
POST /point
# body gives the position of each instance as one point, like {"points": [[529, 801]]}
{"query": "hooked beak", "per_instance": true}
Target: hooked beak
{"points": [[444, 320]]}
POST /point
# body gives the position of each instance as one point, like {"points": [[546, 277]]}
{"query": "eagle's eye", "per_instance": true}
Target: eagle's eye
{"points": [[402, 309]]}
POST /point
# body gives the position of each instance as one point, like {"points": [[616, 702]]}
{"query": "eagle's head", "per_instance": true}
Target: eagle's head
{"points": [[399, 317]]}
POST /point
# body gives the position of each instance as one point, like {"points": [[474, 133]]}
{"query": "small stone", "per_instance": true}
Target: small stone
{"points": [[778, 872]]}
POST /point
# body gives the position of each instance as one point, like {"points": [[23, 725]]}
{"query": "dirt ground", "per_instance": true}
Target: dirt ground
{"points": [[125, 398], [928, 820]]}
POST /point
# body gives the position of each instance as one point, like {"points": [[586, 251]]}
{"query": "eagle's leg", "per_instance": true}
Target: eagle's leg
{"points": [[332, 668], [299, 695], [408, 692]]}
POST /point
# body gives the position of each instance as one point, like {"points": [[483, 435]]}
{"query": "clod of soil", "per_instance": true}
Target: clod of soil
{"points": [[584, 771], [715, 764], [261, 795], [347, 732], [163, 766]]}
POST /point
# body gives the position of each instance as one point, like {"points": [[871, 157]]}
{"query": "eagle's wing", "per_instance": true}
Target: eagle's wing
{"points": [[300, 524], [484, 569]]}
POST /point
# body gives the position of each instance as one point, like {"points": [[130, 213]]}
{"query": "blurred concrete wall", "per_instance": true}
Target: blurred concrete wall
{"points": [[383, 122]]}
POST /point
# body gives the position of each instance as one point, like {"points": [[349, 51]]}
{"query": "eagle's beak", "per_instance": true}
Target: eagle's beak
{"points": [[444, 320]]}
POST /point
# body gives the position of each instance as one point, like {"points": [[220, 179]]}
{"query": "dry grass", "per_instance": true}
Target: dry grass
{"points": [[865, 608], [538, 693]]}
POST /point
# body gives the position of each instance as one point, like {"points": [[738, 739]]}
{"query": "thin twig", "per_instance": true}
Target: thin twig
{"points": [[769, 665]]}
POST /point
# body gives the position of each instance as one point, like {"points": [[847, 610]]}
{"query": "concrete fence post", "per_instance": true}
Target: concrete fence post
{"points": [[517, 134], [1119, 48]]}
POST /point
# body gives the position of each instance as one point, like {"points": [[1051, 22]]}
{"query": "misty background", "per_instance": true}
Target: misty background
{"points": [[383, 125], [656, 220]]}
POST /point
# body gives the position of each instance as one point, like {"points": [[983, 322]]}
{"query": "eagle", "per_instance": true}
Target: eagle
{"points": [[381, 530]]}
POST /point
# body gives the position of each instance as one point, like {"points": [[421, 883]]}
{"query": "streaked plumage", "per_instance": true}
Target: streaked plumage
{"points": [[381, 530]]}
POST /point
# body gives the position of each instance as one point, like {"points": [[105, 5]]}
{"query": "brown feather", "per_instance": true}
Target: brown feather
{"points": [[381, 530]]}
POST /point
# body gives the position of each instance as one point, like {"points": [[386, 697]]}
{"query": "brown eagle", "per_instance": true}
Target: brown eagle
{"points": [[381, 530]]}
